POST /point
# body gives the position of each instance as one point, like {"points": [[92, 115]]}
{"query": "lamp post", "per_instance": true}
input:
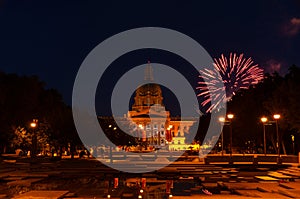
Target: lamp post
{"points": [[222, 120], [230, 117], [277, 117], [142, 136], [33, 125], [264, 120], [110, 147], [293, 142], [169, 134]]}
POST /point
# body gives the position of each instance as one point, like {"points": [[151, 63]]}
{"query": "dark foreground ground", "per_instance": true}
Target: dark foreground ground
{"points": [[88, 178]]}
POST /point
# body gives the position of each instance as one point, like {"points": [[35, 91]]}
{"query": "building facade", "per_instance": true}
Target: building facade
{"points": [[152, 122]]}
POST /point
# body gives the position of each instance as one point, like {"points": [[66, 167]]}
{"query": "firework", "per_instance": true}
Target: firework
{"points": [[227, 77]]}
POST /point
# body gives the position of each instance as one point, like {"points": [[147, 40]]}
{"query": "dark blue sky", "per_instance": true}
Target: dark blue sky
{"points": [[51, 38]]}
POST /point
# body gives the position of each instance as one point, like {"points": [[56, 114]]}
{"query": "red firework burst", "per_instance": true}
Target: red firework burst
{"points": [[227, 77]]}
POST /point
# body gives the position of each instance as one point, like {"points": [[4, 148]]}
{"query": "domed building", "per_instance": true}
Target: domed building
{"points": [[152, 121]]}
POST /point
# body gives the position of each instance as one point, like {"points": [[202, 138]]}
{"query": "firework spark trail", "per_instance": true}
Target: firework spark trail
{"points": [[227, 77]]}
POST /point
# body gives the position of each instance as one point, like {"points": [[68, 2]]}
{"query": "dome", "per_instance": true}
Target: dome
{"points": [[149, 89], [147, 95]]}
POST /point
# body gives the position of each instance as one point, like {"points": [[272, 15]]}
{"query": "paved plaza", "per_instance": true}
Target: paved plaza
{"points": [[88, 178]]}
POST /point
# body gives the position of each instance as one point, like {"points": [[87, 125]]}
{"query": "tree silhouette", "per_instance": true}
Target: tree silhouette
{"points": [[25, 98]]}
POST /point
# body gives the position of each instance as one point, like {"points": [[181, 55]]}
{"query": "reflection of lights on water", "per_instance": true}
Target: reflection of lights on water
{"points": [[108, 196], [140, 196], [170, 196]]}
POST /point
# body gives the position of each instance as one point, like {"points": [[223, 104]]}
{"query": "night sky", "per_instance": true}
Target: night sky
{"points": [[50, 39]]}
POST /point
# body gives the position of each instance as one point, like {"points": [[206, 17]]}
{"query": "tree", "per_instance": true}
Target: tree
{"points": [[19, 103], [24, 136], [285, 101], [25, 98], [275, 94]]}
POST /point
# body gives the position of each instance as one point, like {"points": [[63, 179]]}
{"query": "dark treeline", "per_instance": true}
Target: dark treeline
{"points": [[23, 99], [275, 95]]}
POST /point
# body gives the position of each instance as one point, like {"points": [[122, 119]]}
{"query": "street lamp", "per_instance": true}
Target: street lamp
{"points": [[33, 125], [293, 142], [277, 117], [228, 122], [142, 135], [230, 117], [110, 149], [222, 120], [264, 120], [169, 134]]}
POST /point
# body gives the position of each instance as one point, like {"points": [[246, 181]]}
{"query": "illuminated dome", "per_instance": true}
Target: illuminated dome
{"points": [[147, 95], [149, 89]]}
